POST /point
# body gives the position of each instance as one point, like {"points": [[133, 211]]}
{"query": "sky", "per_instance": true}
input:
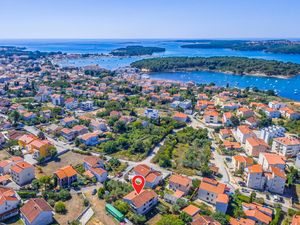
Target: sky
{"points": [[129, 19]]}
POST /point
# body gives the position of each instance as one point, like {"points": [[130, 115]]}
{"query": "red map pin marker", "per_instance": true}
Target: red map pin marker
{"points": [[138, 183]]}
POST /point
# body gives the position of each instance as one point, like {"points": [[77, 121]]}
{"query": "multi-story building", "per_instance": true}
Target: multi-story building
{"points": [[255, 177], [268, 133], [179, 182], [22, 173], [9, 202], [66, 176], [286, 146], [268, 160], [243, 132], [254, 146]]}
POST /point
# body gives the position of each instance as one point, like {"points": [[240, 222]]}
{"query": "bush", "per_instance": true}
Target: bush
{"points": [[101, 193], [27, 194], [60, 208]]}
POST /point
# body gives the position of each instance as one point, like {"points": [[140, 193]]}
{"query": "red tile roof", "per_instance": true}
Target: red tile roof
{"points": [[33, 208]]}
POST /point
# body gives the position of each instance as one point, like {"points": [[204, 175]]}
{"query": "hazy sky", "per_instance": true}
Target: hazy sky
{"points": [[149, 19]]}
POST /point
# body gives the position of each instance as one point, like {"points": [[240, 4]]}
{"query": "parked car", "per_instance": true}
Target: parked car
{"points": [[242, 183], [94, 192]]}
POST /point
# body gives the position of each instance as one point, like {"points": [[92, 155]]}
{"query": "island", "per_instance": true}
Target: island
{"points": [[235, 65], [136, 50], [273, 46]]}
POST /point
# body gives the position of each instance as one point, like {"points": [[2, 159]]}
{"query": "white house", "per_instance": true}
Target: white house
{"points": [[36, 211], [254, 146], [276, 105], [57, 99], [186, 104], [268, 133], [275, 180], [268, 160], [151, 113], [9, 202], [210, 189], [22, 173], [255, 177], [243, 132], [87, 105], [143, 202], [211, 117], [286, 146], [179, 182]]}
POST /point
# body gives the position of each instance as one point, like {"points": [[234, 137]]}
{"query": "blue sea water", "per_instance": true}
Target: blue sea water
{"points": [[289, 88]]}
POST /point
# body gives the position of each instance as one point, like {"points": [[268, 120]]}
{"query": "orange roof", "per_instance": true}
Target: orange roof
{"points": [[67, 171], [278, 172], [142, 169], [296, 220], [244, 129], [178, 194], [258, 215], [99, 171], [274, 159], [255, 169], [7, 194], [243, 159], [257, 206], [88, 136], [191, 210], [223, 198], [38, 143], [214, 187], [227, 115], [180, 115], [288, 140], [178, 179], [138, 200], [27, 138], [232, 144], [20, 166], [241, 221], [88, 173], [254, 142], [152, 176], [211, 113], [225, 131], [16, 158]]}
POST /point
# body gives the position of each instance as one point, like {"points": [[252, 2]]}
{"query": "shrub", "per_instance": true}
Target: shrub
{"points": [[60, 208]]}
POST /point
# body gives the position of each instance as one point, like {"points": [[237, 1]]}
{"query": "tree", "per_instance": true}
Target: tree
{"points": [[15, 116], [45, 180], [170, 220], [185, 217], [64, 195], [101, 192], [122, 206], [221, 217], [60, 207], [252, 196], [41, 135]]}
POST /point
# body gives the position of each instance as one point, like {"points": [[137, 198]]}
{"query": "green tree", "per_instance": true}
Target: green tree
{"points": [[220, 217], [170, 220], [101, 192], [60, 207], [122, 206]]}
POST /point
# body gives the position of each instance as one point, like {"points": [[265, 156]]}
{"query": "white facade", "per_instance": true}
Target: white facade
{"points": [[286, 147], [24, 176], [151, 113], [271, 132], [275, 184]]}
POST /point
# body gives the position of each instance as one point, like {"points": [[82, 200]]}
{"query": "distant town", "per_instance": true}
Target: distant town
{"points": [[72, 138]]}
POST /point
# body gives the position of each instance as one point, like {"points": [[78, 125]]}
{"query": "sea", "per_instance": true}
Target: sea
{"points": [[288, 87]]}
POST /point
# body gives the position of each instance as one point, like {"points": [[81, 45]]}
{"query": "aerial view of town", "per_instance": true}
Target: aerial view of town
{"points": [[111, 114]]}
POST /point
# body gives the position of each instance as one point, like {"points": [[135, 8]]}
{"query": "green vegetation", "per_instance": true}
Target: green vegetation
{"points": [[170, 220], [60, 207], [280, 46], [236, 65], [136, 51], [187, 151], [293, 126]]}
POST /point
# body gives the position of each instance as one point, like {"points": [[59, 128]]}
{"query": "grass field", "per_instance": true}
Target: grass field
{"points": [[69, 158], [4, 155], [74, 209]]}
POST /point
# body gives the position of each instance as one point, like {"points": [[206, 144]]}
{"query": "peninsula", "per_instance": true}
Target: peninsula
{"points": [[273, 46], [235, 65]]}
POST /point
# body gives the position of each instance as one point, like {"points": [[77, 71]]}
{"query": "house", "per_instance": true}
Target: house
{"points": [[213, 192], [25, 140], [268, 160], [245, 112], [226, 119], [296, 220], [68, 134], [255, 177], [191, 210], [89, 139], [231, 145], [186, 104], [29, 116], [66, 176], [98, 125], [225, 133], [289, 113], [243, 132], [9, 203], [286, 146], [205, 220], [255, 145], [71, 103], [22, 173], [40, 148], [36, 211], [151, 113], [268, 133], [257, 213], [57, 99], [174, 104], [173, 197], [275, 180], [181, 117], [211, 117], [241, 221], [276, 105], [241, 162], [272, 113], [251, 122], [87, 105], [5, 165], [152, 177], [179, 182], [68, 121], [80, 130], [143, 202], [92, 162], [100, 174]]}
